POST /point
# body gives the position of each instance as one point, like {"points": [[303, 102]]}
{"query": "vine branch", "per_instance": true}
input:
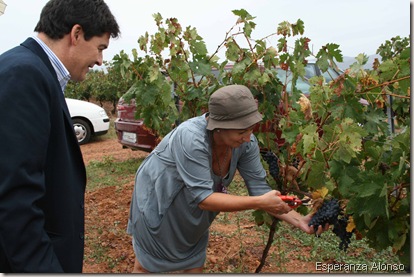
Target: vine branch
{"points": [[272, 232]]}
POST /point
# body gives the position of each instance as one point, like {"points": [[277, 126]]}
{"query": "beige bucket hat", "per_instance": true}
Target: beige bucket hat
{"points": [[232, 107]]}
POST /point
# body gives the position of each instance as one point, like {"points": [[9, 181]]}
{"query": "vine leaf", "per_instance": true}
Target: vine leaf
{"points": [[351, 225], [320, 193], [329, 52]]}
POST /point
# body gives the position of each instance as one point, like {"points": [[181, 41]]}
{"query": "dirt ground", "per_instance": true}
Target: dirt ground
{"points": [[108, 248]]}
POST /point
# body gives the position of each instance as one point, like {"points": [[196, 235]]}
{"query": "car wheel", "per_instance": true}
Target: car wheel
{"points": [[82, 130]]}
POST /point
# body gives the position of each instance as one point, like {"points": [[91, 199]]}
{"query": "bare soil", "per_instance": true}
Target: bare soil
{"points": [[232, 248]]}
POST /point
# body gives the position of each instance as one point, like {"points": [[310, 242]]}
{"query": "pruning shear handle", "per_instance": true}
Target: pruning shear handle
{"points": [[293, 201]]}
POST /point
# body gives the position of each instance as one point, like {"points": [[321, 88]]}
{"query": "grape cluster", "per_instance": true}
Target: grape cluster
{"points": [[340, 230], [329, 213], [272, 161]]}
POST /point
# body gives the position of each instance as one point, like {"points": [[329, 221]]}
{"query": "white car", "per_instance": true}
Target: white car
{"points": [[88, 119]]}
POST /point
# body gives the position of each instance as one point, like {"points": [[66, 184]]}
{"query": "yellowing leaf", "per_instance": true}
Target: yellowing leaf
{"points": [[316, 195], [320, 193], [351, 225], [305, 106]]}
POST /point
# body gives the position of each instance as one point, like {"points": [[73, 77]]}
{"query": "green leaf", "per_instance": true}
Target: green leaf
{"points": [[345, 181], [154, 73], [142, 41], [330, 185], [399, 242], [322, 61], [158, 18], [263, 79], [202, 68], [373, 149], [191, 34], [252, 76], [375, 121], [282, 42], [308, 142], [370, 189], [310, 137], [402, 141], [388, 70], [244, 15], [315, 171], [239, 69], [350, 140], [290, 134], [374, 206], [334, 52], [232, 51], [284, 29], [298, 28], [329, 52], [198, 47], [258, 217], [270, 57], [362, 59], [316, 176]]}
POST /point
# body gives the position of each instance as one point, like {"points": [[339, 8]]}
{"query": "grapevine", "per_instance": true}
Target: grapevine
{"points": [[340, 143]]}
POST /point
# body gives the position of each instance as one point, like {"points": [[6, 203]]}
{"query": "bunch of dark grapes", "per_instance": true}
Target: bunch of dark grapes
{"points": [[340, 230], [329, 213], [326, 214], [272, 161]]}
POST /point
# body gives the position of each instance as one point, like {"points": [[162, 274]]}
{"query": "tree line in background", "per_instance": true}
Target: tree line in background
{"points": [[346, 150], [100, 86]]}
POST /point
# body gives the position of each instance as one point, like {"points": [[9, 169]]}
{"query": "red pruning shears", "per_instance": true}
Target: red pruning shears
{"points": [[293, 201]]}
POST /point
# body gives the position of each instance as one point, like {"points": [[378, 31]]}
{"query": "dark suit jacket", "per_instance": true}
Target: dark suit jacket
{"points": [[42, 174]]}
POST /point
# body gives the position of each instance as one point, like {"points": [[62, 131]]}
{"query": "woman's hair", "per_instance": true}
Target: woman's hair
{"points": [[59, 16]]}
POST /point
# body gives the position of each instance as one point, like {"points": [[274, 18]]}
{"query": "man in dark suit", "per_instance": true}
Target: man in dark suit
{"points": [[42, 174]]}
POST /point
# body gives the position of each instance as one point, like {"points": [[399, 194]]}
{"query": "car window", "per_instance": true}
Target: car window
{"points": [[310, 71], [286, 77], [330, 74], [303, 86]]}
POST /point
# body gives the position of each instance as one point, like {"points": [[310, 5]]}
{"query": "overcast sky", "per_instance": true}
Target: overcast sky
{"points": [[357, 26]]}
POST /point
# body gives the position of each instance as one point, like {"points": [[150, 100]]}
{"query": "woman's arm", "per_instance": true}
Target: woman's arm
{"points": [[296, 219], [269, 202]]}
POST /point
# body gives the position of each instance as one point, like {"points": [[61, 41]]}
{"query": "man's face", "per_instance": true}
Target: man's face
{"points": [[87, 54]]}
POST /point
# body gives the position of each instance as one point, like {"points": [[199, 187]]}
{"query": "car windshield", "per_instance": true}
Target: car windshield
{"points": [[302, 83], [286, 78], [310, 71], [330, 74]]}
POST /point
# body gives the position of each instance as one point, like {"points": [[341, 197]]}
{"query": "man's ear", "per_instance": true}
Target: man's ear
{"points": [[76, 33]]}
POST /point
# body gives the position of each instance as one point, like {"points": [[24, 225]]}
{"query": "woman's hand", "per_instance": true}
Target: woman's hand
{"points": [[296, 219], [303, 225], [273, 204]]}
